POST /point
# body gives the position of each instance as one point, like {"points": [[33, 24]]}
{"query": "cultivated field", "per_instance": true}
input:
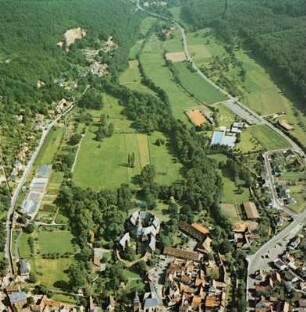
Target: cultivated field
{"points": [[197, 86], [176, 56]]}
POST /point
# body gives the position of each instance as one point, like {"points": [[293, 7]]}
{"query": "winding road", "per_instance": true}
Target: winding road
{"points": [[279, 241]]}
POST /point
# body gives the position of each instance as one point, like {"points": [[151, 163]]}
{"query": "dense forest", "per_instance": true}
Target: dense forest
{"points": [[274, 30], [29, 51]]}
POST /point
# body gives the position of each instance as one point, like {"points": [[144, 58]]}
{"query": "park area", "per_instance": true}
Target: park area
{"points": [[105, 164]]}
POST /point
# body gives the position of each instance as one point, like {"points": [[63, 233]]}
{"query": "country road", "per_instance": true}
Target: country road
{"points": [[256, 260], [23, 179]]}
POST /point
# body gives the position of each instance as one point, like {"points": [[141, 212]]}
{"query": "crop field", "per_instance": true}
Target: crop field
{"points": [[154, 66], [50, 146], [108, 165], [197, 86]]}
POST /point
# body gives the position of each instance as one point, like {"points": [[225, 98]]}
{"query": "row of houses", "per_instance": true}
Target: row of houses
{"points": [[19, 301]]}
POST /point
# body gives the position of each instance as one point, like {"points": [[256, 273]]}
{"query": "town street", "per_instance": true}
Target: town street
{"points": [[14, 198]]}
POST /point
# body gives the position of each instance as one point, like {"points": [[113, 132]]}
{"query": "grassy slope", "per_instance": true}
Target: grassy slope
{"points": [[131, 78]]}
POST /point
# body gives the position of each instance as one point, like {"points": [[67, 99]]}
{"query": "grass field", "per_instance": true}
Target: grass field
{"points": [[55, 242], [230, 194], [50, 146], [166, 168], [262, 137], [51, 272], [231, 213], [154, 66], [108, 167], [23, 246], [197, 86], [131, 78]]}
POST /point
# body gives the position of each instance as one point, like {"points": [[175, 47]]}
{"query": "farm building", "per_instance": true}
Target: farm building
{"points": [[251, 210], [191, 231], [285, 125]]}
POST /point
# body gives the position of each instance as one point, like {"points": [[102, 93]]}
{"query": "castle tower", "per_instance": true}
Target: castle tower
{"points": [[136, 303]]}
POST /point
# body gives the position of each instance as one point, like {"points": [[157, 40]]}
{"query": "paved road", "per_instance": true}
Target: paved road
{"points": [[275, 202], [23, 179]]}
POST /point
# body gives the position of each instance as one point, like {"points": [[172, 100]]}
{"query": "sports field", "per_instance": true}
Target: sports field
{"points": [[105, 164]]}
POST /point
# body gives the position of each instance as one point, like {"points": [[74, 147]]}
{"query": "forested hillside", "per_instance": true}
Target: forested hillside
{"points": [[30, 31], [275, 30]]}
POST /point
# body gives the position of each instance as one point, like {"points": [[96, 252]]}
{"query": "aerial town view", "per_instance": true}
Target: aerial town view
{"points": [[153, 155]]}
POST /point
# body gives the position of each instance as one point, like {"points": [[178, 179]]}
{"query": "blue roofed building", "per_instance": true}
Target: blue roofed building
{"points": [[220, 138]]}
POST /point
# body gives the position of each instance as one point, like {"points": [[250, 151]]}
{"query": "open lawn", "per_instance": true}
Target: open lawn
{"points": [[197, 86], [230, 212], [167, 169], [225, 117], [264, 138], [51, 272], [55, 242], [108, 166], [131, 78], [23, 246], [230, 193], [50, 147]]}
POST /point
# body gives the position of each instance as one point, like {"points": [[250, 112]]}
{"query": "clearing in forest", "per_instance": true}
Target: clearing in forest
{"points": [[105, 164]]}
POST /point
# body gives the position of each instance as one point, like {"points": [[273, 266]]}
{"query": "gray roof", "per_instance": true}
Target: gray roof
{"points": [[24, 267], [17, 296]]}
